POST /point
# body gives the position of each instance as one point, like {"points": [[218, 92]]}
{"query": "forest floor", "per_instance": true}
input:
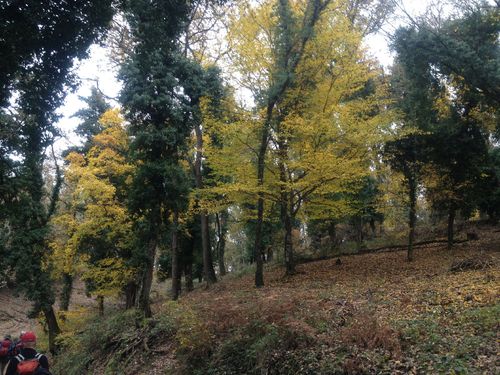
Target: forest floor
{"points": [[14, 310], [372, 314]]}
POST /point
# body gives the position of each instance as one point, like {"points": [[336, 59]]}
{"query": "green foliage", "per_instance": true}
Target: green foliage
{"points": [[458, 55], [40, 42], [253, 349], [154, 79], [116, 343], [441, 346], [489, 201], [90, 126]]}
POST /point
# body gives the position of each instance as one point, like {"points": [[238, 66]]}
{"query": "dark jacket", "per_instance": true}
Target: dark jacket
{"points": [[27, 353]]}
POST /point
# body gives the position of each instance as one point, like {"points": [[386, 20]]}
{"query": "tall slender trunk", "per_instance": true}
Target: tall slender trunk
{"points": [[451, 222], [257, 249], [176, 267], [53, 328], [188, 276], [332, 233], [358, 227], [372, 227], [287, 60], [100, 305], [222, 250], [208, 267], [147, 276], [412, 217], [259, 270], [289, 258], [66, 291], [286, 202], [130, 291], [221, 243], [269, 254]]}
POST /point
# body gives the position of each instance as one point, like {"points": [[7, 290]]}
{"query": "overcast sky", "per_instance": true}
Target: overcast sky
{"points": [[97, 67]]}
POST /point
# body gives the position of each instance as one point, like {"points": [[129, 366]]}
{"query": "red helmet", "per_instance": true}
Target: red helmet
{"points": [[28, 337]]}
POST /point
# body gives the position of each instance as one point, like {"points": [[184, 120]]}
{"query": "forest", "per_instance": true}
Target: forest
{"points": [[264, 195]]}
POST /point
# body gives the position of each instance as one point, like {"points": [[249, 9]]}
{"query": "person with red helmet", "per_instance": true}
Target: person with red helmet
{"points": [[5, 348], [28, 361]]}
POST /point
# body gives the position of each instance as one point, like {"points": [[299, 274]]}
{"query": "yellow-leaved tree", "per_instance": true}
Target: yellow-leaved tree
{"points": [[93, 230], [321, 132]]}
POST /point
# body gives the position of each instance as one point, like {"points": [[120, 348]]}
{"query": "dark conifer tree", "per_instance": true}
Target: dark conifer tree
{"points": [[38, 42]]}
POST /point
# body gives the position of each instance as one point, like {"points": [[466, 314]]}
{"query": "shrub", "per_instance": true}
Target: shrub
{"points": [[367, 333], [255, 349], [115, 343]]}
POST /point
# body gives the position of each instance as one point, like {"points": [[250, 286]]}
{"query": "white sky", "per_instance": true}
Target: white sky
{"points": [[98, 68]]}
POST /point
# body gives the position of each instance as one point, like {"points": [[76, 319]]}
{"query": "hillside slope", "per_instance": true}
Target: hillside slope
{"points": [[374, 313]]}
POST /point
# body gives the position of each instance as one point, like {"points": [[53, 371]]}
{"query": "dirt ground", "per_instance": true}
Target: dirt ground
{"points": [[14, 310]]}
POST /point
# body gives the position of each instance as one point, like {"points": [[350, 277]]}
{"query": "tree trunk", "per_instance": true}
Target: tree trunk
{"points": [[100, 305], [451, 221], [222, 249], [269, 254], [147, 276], [288, 59], [188, 276], [130, 294], [67, 289], [208, 267], [332, 233], [358, 227], [412, 218], [289, 258], [53, 328], [257, 249], [176, 267], [372, 227], [221, 243]]}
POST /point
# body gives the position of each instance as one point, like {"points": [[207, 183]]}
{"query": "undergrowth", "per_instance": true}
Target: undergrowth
{"points": [[373, 314], [115, 343]]}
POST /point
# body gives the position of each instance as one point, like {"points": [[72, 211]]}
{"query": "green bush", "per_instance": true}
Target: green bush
{"points": [[113, 343], [255, 349]]}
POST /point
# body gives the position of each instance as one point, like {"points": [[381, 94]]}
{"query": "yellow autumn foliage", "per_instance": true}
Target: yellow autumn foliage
{"points": [[94, 211], [333, 122]]}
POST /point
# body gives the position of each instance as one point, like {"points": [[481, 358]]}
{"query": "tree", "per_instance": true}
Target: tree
{"points": [[90, 116], [404, 155], [159, 115], [314, 133], [39, 43], [490, 199], [203, 83], [94, 229], [435, 61]]}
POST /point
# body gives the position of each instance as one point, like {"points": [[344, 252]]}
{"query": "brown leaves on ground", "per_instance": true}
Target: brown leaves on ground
{"points": [[358, 304], [385, 280]]}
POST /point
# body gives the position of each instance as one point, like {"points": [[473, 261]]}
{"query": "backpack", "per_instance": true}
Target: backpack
{"points": [[5, 348], [28, 366], [15, 349]]}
